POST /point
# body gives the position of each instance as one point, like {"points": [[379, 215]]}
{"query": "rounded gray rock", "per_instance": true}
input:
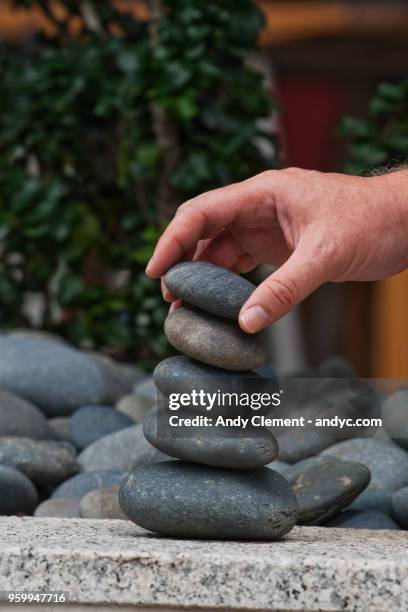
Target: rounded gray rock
{"points": [[395, 417], [137, 408], [55, 378], [122, 450], [102, 504], [59, 507], [228, 448], [119, 377], [296, 445], [399, 504], [90, 423], [296, 469], [356, 519], [180, 374], [181, 499], [17, 492], [377, 499], [45, 462], [215, 341], [387, 462], [209, 287], [81, 484], [20, 418], [61, 428], [325, 489]]}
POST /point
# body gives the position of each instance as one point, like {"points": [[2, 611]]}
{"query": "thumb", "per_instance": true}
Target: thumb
{"points": [[282, 291]]}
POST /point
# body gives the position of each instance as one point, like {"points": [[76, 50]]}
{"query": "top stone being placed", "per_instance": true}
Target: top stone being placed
{"points": [[209, 287]]}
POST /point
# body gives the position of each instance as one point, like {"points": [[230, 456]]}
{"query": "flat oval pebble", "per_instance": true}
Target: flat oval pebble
{"points": [[102, 504], [61, 428], [356, 519], [90, 423], [323, 490], [55, 378], [387, 462], [181, 499], [45, 462], [296, 469], [395, 417], [20, 418], [295, 445], [215, 341], [17, 492], [376, 499], [226, 448], [180, 374], [209, 287], [59, 507], [399, 504], [81, 484], [137, 408], [122, 450]]}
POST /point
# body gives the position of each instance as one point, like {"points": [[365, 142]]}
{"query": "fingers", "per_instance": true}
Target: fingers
{"points": [[204, 217], [282, 291], [223, 250]]}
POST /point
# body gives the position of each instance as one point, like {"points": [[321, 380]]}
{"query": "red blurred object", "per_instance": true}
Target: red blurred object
{"points": [[311, 113]]}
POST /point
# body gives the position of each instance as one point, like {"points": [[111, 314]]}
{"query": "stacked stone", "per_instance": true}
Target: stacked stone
{"points": [[218, 486]]}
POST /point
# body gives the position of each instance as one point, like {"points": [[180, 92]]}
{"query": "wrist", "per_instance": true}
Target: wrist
{"points": [[395, 189]]}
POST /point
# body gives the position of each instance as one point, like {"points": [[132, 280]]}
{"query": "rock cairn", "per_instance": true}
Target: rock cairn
{"points": [[218, 485]]}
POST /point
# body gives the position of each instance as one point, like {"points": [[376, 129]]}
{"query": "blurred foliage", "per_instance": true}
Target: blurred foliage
{"points": [[381, 139], [102, 134], [97, 130]]}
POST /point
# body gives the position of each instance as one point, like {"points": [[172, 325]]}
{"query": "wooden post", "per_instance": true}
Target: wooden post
{"points": [[390, 327]]}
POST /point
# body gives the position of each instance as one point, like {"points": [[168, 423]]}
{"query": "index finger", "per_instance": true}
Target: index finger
{"points": [[200, 218]]}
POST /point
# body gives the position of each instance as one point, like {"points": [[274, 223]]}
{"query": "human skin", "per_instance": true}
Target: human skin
{"points": [[317, 227]]}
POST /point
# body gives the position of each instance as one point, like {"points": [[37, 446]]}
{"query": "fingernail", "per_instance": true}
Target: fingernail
{"points": [[147, 268], [253, 319]]}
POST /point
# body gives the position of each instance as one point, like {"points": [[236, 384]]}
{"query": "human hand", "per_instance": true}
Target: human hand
{"points": [[317, 227]]}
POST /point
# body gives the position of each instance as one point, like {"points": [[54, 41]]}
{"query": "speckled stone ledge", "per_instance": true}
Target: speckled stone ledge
{"points": [[103, 563]]}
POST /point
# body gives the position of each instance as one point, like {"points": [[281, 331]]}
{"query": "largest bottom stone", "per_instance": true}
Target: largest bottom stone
{"points": [[182, 499]]}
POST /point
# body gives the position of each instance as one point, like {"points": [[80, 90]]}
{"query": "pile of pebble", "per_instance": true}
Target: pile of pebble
{"points": [[76, 428], [218, 487]]}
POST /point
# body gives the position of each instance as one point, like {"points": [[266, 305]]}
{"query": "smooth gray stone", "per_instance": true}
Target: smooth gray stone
{"points": [[90, 423], [378, 499], [145, 389], [36, 334], [81, 484], [181, 374], [56, 378], [356, 519], [323, 490], [122, 450], [181, 499], [45, 462], [137, 408], [102, 504], [20, 418], [395, 417], [120, 378], [61, 428], [215, 341], [298, 444], [59, 507], [296, 469], [387, 462], [227, 448], [279, 466], [209, 287], [399, 504], [17, 492]]}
